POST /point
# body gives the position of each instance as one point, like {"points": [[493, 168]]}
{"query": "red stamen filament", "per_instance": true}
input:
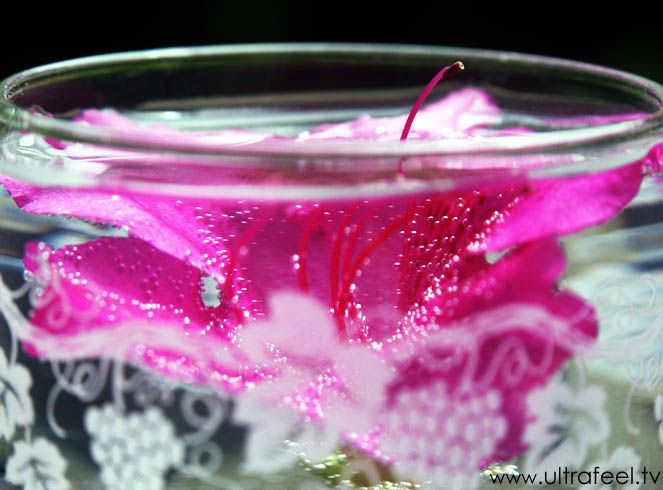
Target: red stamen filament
{"points": [[335, 260], [311, 223], [350, 268], [451, 70], [447, 70]]}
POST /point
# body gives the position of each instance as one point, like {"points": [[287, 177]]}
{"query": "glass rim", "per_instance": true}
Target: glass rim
{"points": [[22, 119]]}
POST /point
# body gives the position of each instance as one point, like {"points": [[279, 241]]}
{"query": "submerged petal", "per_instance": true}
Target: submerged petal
{"points": [[167, 224], [561, 206], [211, 235], [503, 342], [124, 299]]}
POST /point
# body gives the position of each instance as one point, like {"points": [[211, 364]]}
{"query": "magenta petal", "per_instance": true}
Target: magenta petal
{"points": [[510, 334], [528, 274], [172, 226], [653, 162], [455, 115], [564, 205], [124, 299], [157, 133]]}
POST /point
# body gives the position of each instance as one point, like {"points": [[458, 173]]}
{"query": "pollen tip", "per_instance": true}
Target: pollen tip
{"points": [[453, 68]]}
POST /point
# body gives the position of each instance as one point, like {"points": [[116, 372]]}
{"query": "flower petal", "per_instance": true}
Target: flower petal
{"points": [[110, 118], [653, 162], [124, 299], [561, 206], [508, 338], [456, 115], [165, 223]]}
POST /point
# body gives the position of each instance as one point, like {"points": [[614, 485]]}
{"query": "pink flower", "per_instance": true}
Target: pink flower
{"points": [[397, 285]]}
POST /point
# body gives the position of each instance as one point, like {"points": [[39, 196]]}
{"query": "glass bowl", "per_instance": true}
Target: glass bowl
{"points": [[222, 268]]}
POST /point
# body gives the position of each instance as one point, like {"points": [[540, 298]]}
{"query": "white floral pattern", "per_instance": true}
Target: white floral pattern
{"points": [[315, 405], [622, 459], [273, 446], [37, 465], [433, 436], [658, 415], [567, 424], [15, 403], [133, 451]]}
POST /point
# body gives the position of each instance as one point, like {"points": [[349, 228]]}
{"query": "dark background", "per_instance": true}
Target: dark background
{"points": [[625, 35]]}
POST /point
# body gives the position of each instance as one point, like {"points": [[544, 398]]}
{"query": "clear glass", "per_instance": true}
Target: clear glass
{"points": [[435, 253]]}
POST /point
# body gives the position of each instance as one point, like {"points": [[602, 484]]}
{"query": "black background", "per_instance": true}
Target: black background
{"points": [[625, 35]]}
